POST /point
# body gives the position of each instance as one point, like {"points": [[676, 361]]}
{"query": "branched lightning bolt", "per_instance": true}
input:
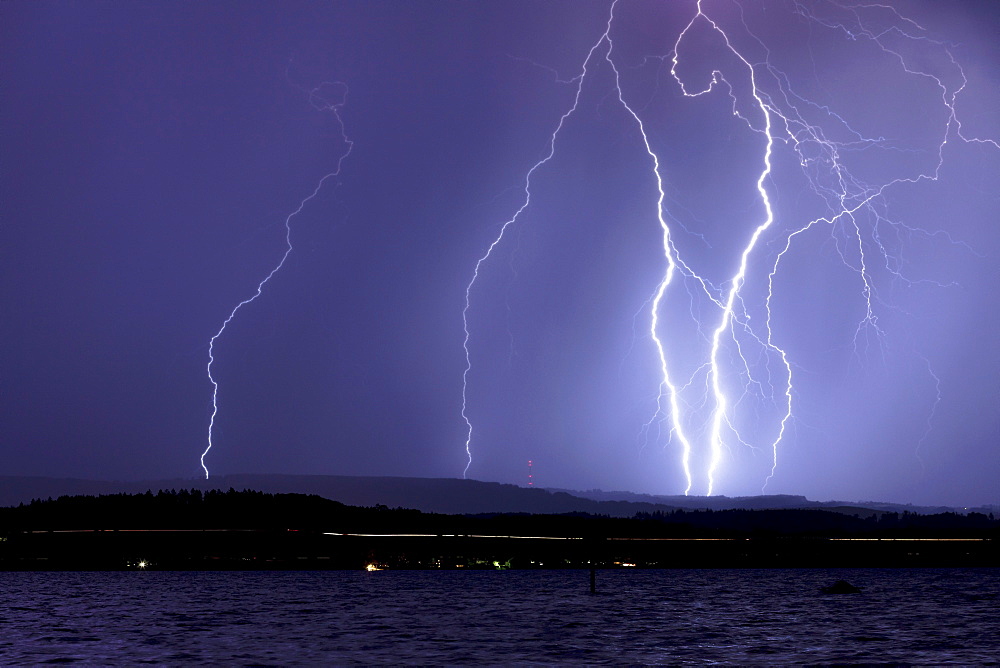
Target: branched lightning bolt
{"points": [[854, 215], [736, 282], [525, 203], [319, 100], [669, 253]]}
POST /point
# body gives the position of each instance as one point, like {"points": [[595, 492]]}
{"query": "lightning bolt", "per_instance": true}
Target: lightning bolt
{"points": [[855, 215], [525, 203], [326, 97]]}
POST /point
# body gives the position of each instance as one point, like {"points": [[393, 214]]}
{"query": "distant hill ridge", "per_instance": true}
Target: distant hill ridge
{"points": [[436, 495]]}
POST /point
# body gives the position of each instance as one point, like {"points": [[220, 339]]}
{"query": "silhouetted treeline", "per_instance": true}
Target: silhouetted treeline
{"points": [[186, 509], [824, 523], [194, 509], [194, 530]]}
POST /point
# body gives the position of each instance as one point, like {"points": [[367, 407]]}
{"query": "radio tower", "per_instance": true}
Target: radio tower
{"points": [[531, 482]]}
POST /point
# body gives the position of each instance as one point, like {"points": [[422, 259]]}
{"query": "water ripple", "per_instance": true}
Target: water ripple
{"points": [[521, 617]]}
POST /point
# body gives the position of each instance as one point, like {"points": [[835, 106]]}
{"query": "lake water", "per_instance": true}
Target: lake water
{"points": [[456, 617]]}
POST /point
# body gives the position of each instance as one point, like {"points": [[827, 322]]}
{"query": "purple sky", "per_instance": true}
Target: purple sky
{"points": [[151, 153]]}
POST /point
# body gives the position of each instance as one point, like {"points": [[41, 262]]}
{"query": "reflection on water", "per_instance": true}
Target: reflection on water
{"points": [[455, 617]]}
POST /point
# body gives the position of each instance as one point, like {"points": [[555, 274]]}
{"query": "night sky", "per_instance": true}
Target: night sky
{"points": [[152, 153]]}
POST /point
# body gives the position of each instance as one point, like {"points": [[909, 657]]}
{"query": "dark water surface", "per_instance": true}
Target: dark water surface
{"points": [[455, 617]]}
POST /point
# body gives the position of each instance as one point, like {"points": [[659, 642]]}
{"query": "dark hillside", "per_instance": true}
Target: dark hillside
{"points": [[191, 529]]}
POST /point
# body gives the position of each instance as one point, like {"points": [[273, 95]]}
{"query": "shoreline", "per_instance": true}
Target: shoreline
{"points": [[238, 550]]}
